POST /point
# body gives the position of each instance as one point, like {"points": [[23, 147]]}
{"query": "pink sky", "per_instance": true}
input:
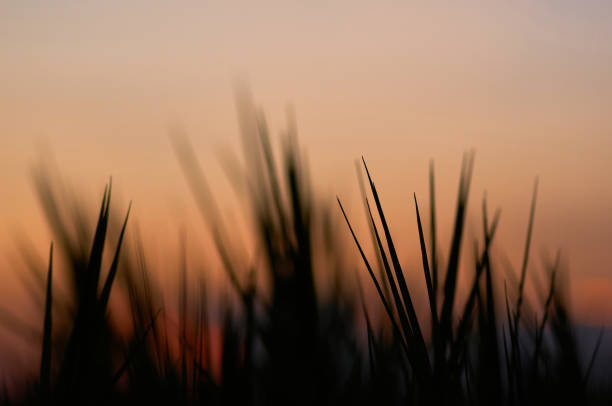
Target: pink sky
{"points": [[526, 84]]}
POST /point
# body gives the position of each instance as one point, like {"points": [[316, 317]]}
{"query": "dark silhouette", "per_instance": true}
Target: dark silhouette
{"points": [[286, 343]]}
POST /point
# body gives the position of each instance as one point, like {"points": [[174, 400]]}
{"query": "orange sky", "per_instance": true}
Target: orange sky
{"points": [[527, 84]]}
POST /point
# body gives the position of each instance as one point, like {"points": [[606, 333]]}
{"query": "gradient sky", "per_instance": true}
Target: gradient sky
{"points": [[527, 84]]}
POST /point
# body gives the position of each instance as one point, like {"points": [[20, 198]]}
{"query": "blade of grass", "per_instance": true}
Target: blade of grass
{"points": [[509, 373], [207, 205], [104, 296], [97, 249], [490, 350], [376, 284], [371, 338], [540, 329], [266, 150], [414, 322], [432, 211], [453, 261], [401, 312], [415, 357], [430, 290], [182, 297], [526, 255], [466, 318], [45, 363], [365, 206]]}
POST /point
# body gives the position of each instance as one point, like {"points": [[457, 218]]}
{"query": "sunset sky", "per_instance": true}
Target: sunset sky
{"points": [[96, 86]]}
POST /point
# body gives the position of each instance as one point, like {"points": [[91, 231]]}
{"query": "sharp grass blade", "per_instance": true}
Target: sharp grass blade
{"points": [[428, 281], [399, 307], [366, 208], [401, 281], [45, 363], [434, 242], [376, 284]]}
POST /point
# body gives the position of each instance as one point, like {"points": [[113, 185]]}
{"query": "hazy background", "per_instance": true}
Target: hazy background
{"points": [[97, 86]]}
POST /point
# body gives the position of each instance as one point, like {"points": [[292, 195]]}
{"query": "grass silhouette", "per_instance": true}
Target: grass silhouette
{"points": [[293, 345]]}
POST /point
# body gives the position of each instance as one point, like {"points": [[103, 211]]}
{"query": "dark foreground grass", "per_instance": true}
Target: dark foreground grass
{"points": [[287, 342]]}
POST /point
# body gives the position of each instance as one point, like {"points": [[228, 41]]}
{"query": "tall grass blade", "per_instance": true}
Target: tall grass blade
{"points": [[401, 281], [491, 386], [266, 149], [370, 332], [45, 363], [526, 254], [546, 311], [426, 271], [376, 284], [97, 249], [453, 261], [433, 226], [372, 230], [399, 307], [106, 289], [466, 317]]}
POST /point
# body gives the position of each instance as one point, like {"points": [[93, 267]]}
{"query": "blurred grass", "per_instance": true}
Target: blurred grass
{"points": [[287, 343]]}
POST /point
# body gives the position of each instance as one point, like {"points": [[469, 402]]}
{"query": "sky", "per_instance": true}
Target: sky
{"points": [[95, 87]]}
